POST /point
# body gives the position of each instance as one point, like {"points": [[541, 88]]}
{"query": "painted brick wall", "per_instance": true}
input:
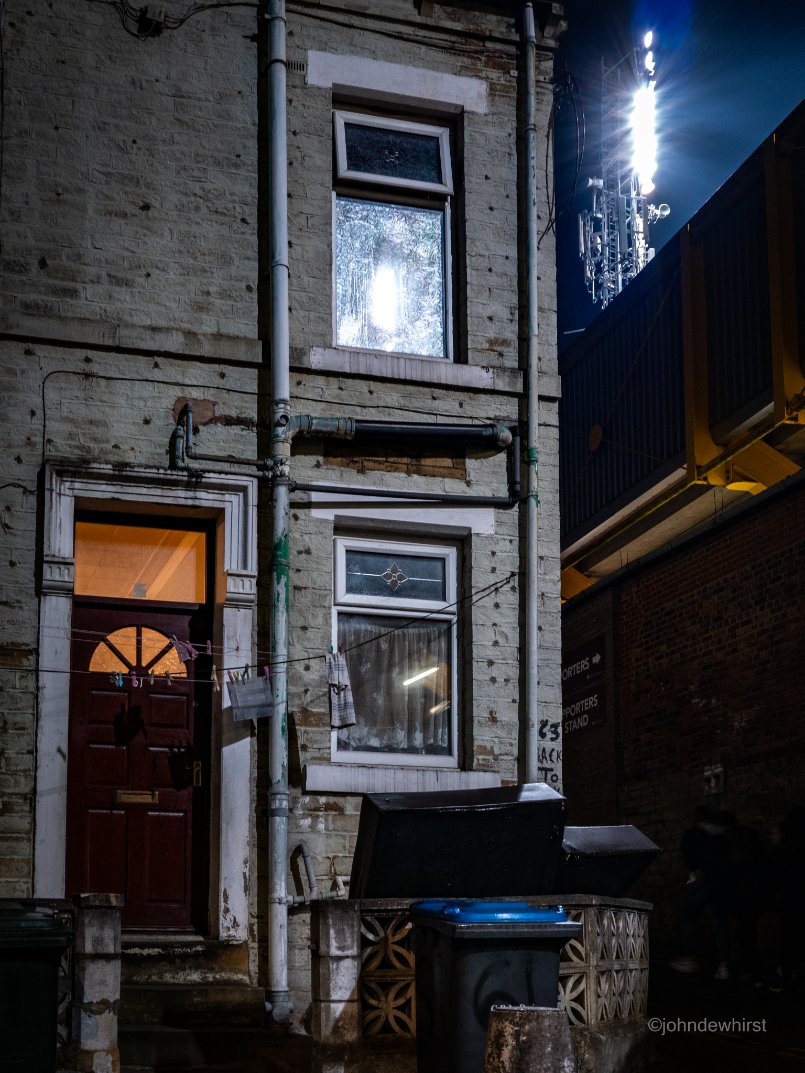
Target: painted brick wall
{"points": [[128, 184], [708, 639], [133, 221], [490, 323], [84, 407]]}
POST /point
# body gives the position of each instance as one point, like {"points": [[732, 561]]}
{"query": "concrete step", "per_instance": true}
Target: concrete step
{"points": [[182, 1005], [211, 1049]]}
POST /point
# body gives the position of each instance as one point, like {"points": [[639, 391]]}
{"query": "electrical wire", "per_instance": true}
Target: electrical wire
{"points": [[455, 47], [137, 22], [566, 86], [473, 598]]}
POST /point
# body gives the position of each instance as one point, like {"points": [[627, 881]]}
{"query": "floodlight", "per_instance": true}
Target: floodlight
{"points": [[648, 39], [644, 137]]}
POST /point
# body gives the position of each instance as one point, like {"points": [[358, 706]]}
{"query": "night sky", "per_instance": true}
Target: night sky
{"points": [[728, 72]]}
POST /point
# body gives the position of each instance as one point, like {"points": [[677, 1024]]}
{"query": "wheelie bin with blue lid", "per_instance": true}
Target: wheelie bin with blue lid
{"points": [[472, 955]]}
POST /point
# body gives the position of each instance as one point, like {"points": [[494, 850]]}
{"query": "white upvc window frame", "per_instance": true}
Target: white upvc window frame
{"points": [[349, 182], [440, 133], [406, 610]]}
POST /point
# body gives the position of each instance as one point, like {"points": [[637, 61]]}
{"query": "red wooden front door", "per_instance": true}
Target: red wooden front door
{"points": [[131, 764]]}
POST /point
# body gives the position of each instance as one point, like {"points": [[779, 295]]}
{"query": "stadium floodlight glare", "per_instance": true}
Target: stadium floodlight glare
{"points": [[614, 235], [644, 137]]}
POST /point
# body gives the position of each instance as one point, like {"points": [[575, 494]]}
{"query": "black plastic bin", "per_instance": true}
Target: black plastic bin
{"points": [[471, 956], [607, 861], [487, 843], [32, 942]]}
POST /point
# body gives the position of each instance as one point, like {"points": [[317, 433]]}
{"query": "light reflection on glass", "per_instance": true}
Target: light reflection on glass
{"points": [[389, 276]]}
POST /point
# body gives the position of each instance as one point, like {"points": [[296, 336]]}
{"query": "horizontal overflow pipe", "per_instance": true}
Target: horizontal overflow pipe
{"points": [[497, 436]]}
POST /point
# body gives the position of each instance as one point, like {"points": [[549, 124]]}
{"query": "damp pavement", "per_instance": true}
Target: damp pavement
{"points": [[703, 1025], [698, 1025]]}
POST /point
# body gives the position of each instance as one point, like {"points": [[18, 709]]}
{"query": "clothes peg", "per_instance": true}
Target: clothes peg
{"points": [[168, 678], [150, 678], [246, 673], [214, 679], [135, 681]]}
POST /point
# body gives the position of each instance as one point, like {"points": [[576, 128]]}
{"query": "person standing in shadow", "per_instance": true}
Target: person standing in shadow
{"points": [[787, 897], [707, 888], [746, 886]]}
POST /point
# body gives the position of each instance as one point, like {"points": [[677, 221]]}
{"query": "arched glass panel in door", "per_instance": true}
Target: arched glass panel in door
{"points": [[138, 650]]}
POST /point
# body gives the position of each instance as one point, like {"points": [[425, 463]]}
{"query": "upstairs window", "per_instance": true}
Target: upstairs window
{"points": [[392, 235], [395, 621]]}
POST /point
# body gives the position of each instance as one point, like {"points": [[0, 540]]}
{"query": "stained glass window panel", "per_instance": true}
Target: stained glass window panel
{"points": [[401, 154], [409, 577]]}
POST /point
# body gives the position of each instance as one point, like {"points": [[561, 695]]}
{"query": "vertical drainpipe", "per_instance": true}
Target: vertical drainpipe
{"points": [[278, 995], [532, 399]]}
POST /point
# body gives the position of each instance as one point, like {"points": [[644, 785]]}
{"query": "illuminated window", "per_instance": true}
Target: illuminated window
{"points": [[395, 621], [392, 235], [139, 649], [134, 562]]}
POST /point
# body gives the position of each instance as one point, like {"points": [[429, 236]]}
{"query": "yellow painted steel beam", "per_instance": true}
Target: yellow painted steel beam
{"points": [[731, 476], [764, 464], [699, 445], [787, 376], [574, 582]]}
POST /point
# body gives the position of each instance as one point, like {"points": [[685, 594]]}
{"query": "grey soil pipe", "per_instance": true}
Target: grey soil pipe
{"points": [[278, 997], [532, 402]]}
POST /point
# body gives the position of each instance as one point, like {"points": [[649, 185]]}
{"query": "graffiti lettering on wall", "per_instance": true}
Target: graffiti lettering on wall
{"points": [[549, 757], [584, 688]]}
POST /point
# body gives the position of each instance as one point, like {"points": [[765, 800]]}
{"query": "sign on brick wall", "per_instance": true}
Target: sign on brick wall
{"points": [[584, 687]]}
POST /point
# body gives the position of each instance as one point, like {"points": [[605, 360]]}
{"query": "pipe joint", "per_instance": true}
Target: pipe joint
{"points": [[504, 436], [279, 1006], [342, 428]]}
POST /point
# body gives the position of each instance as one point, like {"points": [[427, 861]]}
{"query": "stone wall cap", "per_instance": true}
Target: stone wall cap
{"points": [[99, 901], [569, 901]]}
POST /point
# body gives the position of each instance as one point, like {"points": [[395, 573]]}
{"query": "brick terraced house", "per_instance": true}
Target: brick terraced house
{"points": [[278, 383]]}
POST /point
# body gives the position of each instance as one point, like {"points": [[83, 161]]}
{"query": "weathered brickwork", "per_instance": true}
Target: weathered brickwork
{"points": [[702, 644], [134, 276], [131, 197]]}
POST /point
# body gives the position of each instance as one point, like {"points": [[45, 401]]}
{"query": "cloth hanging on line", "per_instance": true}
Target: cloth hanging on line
{"points": [[342, 706], [185, 651], [250, 698]]}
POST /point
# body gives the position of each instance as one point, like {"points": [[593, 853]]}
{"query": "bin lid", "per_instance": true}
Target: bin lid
{"points": [[466, 911], [22, 925]]}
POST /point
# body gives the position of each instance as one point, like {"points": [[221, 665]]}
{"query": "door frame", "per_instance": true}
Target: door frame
{"points": [[231, 500], [107, 615]]}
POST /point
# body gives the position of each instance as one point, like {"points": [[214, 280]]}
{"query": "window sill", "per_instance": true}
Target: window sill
{"points": [[366, 779], [379, 365]]}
